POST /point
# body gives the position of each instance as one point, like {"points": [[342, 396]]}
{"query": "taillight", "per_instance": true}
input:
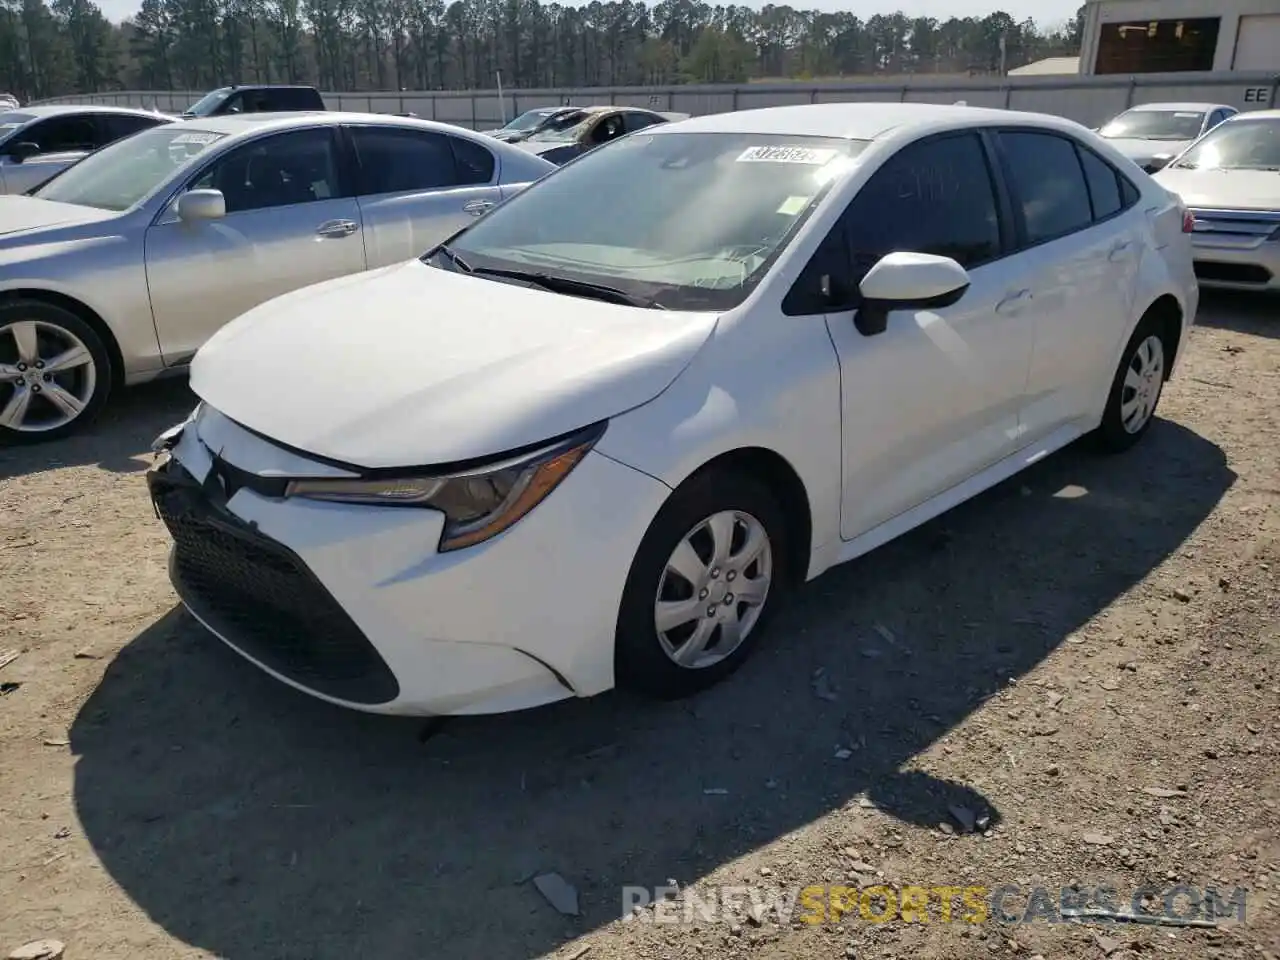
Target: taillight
{"points": [[1188, 221]]}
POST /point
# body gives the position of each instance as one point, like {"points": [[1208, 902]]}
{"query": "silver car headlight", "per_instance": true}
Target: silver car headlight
{"points": [[478, 503]]}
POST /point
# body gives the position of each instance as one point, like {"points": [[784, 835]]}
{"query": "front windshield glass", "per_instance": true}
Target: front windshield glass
{"points": [[11, 122], [1236, 145], [129, 170], [564, 129], [527, 120], [208, 103], [1155, 125], [689, 221]]}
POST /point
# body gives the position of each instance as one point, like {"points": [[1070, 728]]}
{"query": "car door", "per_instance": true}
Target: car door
{"points": [[934, 399], [291, 221], [63, 139], [416, 187], [1081, 269]]}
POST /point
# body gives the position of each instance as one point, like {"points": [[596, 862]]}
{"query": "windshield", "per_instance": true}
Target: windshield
{"points": [[689, 221], [1155, 125], [1236, 145], [11, 122], [129, 170], [208, 103], [564, 129], [528, 120]]}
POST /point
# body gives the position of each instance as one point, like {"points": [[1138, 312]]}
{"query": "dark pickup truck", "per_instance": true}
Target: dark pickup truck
{"points": [[265, 98]]}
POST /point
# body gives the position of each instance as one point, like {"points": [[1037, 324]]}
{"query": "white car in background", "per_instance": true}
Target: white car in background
{"points": [[36, 143], [1154, 133], [117, 270], [1230, 180], [8, 102], [585, 444]]}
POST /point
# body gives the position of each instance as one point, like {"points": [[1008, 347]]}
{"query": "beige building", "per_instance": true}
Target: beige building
{"points": [[1175, 36]]}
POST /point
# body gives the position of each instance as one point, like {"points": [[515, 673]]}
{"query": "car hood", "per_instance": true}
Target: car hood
{"points": [[21, 216], [1139, 151], [412, 365], [1224, 189]]}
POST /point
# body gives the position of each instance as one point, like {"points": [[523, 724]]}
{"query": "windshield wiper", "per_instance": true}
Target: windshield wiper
{"points": [[453, 258], [599, 291]]}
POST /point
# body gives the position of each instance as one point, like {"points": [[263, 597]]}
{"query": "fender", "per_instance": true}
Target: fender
{"points": [[719, 404]]}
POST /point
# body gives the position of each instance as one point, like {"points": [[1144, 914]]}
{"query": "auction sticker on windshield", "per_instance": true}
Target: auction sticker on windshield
{"points": [[786, 154], [201, 138]]}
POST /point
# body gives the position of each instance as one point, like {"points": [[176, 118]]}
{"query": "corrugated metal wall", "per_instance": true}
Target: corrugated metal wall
{"points": [[1089, 100]]}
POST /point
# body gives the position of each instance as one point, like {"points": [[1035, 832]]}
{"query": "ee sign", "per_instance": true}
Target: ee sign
{"points": [[1257, 95]]}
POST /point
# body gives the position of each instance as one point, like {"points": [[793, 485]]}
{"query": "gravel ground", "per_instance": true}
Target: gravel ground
{"points": [[1071, 679]]}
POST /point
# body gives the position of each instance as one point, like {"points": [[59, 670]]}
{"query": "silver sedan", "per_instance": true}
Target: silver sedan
{"points": [[118, 269]]}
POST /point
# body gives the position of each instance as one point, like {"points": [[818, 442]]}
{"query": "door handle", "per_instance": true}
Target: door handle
{"points": [[477, 207], [1014, 299], [337, 228], [1119, 250]]}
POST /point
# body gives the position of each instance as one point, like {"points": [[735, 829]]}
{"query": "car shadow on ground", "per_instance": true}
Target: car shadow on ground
{"points": [[1255, 314], [117, 440], [252, 822]]}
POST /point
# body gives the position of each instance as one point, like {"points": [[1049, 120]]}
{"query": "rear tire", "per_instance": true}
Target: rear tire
{"points": [[55, 372], [710, 572], [1136, 388]]}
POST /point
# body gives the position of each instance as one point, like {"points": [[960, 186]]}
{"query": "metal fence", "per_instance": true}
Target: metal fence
{"points": [[1089, 100]]}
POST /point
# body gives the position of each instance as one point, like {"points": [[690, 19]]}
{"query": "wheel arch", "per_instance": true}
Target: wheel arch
{"points": [[785, 484], [82, 311], [1167, 313]]}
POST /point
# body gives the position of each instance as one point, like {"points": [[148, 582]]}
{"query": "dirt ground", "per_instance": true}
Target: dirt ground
{"points": [[1082, 662]]}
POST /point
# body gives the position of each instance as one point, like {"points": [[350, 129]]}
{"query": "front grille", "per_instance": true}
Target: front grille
{"points": [[1244, 224], [261, 598], [1250, 273]]}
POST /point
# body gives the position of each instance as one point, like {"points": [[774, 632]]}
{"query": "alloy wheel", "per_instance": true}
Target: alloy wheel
{"points": [[713, 589], [47, 376]]}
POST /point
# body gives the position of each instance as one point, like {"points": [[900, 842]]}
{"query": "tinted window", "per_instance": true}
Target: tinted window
{"points": [[1217, 117], [289, 168], [72, 132], [1128, 192], [294, 98], [1104, 185], [932, 197], [610, 128], [399, 161], [638, 121], [1048, 184], [474, 162], [115, 127]]}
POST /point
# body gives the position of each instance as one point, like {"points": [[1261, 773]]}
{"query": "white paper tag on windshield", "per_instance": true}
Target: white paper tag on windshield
{"points": [[786, 154], [793, 205], [205, 138]]}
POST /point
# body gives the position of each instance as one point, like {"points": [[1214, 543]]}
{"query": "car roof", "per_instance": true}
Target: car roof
{"points": [[53, 109], [245, 123], [859, 121], [1187, 106]]}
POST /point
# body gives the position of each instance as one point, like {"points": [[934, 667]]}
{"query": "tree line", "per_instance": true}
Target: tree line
{"points": [[68, 46]]}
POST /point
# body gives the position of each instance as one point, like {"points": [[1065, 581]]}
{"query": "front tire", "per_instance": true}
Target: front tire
{"points": [[55, 372], [711, 570], [1135, 389]]}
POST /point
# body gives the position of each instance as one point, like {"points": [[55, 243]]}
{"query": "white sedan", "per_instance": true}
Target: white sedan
{"points": [[587, 444]]}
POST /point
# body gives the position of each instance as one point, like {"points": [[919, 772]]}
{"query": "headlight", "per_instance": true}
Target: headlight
{"points": [[478, 504]]}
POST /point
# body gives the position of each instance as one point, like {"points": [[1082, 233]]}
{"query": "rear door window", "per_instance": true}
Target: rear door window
{"points": [[403, 161], [1050, 192]]}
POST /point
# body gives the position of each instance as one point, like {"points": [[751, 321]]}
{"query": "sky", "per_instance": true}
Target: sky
{"points": [[1047, 13]]}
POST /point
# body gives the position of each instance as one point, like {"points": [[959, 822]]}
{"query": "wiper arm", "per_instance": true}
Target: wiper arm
{"points": [[453, 258], [566, 285]]}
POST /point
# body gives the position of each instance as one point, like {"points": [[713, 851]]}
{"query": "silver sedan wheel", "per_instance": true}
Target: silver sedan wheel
{"points": [[713, 589], [1143, 381], [47, 376]]}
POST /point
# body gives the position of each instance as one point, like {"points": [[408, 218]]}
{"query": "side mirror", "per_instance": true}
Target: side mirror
{"points": [[22, 150], [901, 281], [198, 205]]}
